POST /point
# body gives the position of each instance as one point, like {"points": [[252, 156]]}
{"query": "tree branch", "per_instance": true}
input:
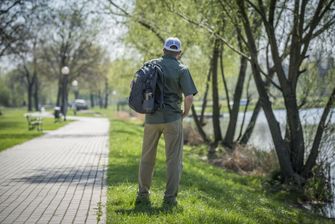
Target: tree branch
{"points": [[318, 136]]}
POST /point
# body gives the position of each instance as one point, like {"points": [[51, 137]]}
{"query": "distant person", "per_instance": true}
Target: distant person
{"points": [[167, 121]]}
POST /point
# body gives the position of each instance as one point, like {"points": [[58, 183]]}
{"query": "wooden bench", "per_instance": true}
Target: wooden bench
{"points": [[34, 121]]}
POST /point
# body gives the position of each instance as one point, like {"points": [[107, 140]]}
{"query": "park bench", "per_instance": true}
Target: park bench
{"points": [[34, 121]]}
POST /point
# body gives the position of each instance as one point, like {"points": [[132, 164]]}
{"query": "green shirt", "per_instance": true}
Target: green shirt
{"points": [[178, 81]]}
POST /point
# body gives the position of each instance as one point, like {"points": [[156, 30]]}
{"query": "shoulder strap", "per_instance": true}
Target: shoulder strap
{"points": [[160, 84]]}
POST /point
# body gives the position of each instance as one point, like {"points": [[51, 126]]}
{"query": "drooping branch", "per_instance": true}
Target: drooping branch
{"points": [[139, 19], [209, 29]]}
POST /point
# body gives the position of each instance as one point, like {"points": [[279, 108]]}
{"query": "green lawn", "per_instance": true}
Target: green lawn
{"points": [[14, 127], [207, 194]]}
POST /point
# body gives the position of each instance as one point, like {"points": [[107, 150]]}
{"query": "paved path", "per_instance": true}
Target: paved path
{"points": [[57, 178]]}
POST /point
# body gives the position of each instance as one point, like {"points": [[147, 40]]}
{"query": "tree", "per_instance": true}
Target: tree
{"points": [[71, 42], [157, 18], [210, 21], [306, 22], [25, 50]]}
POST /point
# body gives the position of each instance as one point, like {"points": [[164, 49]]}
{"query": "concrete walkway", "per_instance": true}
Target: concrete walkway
{"points": [[57, 178]]}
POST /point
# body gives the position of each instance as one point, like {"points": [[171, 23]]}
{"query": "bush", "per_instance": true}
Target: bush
{"points": [[318, 188], [247, 160]]}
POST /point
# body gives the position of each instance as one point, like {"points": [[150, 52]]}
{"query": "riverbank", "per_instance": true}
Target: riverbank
{"points": [[208, 194]]}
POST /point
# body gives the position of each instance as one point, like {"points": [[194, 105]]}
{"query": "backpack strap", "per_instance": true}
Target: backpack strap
{"points": [[160, 84], [160, 81]]}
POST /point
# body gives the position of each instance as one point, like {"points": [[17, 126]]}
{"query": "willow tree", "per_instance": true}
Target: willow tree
{"points": [[302, 22]]}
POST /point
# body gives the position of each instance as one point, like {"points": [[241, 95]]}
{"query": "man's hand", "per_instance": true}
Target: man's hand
{"points": [[188, 100]]}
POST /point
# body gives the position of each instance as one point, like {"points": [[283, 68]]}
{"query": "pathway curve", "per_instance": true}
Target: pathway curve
{"points": [[57, 178]]}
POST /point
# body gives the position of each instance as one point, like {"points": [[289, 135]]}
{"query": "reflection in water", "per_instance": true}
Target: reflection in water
{"points": [[262, 140]]}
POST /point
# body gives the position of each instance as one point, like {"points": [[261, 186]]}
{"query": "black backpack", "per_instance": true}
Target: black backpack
{"points": [[146, 94]]}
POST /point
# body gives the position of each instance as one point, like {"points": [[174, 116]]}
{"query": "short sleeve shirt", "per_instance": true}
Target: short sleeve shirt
{"points": [[178, 82]]}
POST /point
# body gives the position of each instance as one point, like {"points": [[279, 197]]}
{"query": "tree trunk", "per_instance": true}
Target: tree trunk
{"points": [[35, 78], [279, 143], [204, 101], [281, 150], [30, 96], [215, 93], [224, 81], [199, 126], [229, 137], [297, 146], [248, 131], [247, 134], [106, 94], [311, 161], [92, 100], [100, 100], [36, 94], [59, 92]]}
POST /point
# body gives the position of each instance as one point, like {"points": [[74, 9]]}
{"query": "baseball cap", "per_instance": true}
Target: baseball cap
{"points": [[172, 44]]}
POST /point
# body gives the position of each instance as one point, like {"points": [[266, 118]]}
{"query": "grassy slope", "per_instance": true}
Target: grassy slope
{"points": [[14, 128], [207, 194]]}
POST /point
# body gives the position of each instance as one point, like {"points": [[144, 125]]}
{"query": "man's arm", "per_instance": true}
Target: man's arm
{"points": [[188, 100]]}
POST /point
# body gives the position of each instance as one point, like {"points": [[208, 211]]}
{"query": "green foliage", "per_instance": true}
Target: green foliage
{"points": [[164, 19], [120, 73], [313, 88], [207, 194], [12, 89], [14, 128], [164, 23]]}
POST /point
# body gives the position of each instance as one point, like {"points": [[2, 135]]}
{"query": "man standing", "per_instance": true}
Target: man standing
{"points": [[167, 121]]}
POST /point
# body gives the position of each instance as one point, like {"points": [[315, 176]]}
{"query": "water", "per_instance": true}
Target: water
{"points": [[261, 138]]}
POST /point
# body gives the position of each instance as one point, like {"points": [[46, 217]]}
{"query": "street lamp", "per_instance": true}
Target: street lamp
{"points": [[75, 89], [65, 72]]}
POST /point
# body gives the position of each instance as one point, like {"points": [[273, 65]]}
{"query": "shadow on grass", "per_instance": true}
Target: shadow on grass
{"points": [[234, 191], [20, 136], [11, 123], [149, 210], [202, 186]]}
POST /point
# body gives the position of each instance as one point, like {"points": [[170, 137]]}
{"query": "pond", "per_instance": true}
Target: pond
{"points": [[262, 140]]}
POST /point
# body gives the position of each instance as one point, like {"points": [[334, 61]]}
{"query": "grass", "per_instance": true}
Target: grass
{"points": [[207, 194], [14, 128]]}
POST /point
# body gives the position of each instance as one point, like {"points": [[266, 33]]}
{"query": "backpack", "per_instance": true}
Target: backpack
{"points": [[146, 94]]}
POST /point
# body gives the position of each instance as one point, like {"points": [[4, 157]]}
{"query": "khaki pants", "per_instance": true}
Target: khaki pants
{"points": [[173, 136]]}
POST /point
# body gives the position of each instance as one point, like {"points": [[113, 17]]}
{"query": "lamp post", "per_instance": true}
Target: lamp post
{"points": [[75, 89], [65, 72]]}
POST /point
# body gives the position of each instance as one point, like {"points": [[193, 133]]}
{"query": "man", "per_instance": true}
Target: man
{"points": [[167, 121]]}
